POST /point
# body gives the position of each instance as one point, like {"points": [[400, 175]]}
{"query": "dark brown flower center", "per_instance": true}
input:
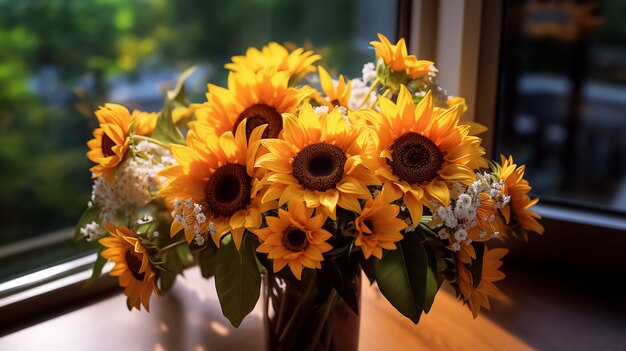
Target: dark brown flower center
{"points": [[295, 239], [416, 159], [335, 102], [228, 190], [370, 224], [260, 114], [134, 265], [319, 166], [107, 146]]}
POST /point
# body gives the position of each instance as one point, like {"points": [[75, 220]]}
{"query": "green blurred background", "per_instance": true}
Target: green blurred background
{"points": [[60, 59]]}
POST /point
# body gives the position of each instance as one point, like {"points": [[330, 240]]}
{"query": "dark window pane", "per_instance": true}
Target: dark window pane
{"points": [[60, 59], [562, 102]]}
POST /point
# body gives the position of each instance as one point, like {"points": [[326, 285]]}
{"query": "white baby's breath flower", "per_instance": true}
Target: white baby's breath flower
{"points": [[134, 182], [368, 72], [199, 239], [92, 231], [460, 235]]}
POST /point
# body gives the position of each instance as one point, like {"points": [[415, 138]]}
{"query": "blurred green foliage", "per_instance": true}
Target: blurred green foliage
{"points": [[50, 47]]}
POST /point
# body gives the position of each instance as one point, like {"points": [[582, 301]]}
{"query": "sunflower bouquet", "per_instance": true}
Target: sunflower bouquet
{"points": [[274, 179]]}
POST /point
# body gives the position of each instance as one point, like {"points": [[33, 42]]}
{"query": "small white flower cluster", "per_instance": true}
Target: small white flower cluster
{"points": [[92, 231], [368, 72], [135, 181], [191, 215], [361, 87], [460, 216], [485, 184]]}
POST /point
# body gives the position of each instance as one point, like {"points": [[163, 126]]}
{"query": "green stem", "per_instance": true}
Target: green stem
{"points": [[171, 246], [308, 295], [330, 303], [367, 96]]}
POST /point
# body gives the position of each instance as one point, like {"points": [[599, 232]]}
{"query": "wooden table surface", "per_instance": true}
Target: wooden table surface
{"points": [[189, 318]]}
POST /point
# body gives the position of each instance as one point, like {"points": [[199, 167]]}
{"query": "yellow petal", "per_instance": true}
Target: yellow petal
{"points": [[329, 199], [414, 206], [439, 191]]}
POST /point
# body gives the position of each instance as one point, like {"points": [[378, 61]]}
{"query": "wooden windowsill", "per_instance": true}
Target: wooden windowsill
{"points": [[532, 316]]}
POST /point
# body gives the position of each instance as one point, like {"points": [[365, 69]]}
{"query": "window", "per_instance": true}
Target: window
{"points": [[562, 99], [60, 59]]}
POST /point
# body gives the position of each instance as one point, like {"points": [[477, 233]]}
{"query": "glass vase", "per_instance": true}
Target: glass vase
{"points": [[298, 317]]}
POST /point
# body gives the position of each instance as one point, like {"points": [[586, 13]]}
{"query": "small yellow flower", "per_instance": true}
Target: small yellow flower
{"points": [[477, 296], [297, 63], [295, 238], [518, 188], [378, 226], [397, 58], [132, 265], [110, 141]]}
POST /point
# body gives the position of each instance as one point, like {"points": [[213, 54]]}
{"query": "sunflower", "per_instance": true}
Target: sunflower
{"points": [[259, 97], [296, 64], [335, 96], [110, 141], [319, 160], [422, 150], [478, 296], [520, 203], [145, 122], [295, 238], [397, 58], [377, 225], [216, 175], [132, 264]]}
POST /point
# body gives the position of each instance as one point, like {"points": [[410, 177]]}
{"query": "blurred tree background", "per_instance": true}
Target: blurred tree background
{"points": [[59, 59]]}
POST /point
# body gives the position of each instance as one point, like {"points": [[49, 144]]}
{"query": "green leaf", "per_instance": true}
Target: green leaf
{"points": [[178, 93], [166, 281], [97, 268], [207, 260], [476, 268], [402, 276], [91, 214], [173, 266], [436, 264], [237, 280], [165, 129]]}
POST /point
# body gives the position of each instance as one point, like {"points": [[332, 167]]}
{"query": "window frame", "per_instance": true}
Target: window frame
{"points": [[466, 49]]}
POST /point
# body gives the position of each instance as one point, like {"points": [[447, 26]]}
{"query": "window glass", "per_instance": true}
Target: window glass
{"points": [[60, 59], [562, 99]]}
